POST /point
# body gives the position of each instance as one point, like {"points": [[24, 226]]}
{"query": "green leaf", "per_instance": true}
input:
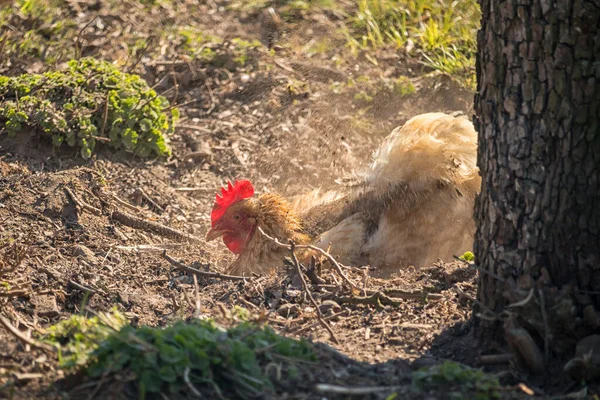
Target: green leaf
{"points": [[171, 354], [145, 125]]}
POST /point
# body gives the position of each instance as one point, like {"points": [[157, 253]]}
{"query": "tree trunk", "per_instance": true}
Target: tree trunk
{"points": [[538, 215]]}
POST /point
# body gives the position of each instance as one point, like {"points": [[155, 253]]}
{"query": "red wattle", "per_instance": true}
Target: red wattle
{"points": [[233, 243]]}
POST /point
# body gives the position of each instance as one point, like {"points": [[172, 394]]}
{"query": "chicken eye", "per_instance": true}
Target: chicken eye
{"points": [[236, 216]]}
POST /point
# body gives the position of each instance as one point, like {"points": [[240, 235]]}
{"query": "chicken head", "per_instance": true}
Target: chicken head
{"points": [[232, 217]]}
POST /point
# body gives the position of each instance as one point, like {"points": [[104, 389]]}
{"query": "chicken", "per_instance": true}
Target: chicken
{"points": [[413, 205]]}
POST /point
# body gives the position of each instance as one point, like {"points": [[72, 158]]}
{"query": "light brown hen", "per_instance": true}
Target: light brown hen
{"points": [[413, 205]]}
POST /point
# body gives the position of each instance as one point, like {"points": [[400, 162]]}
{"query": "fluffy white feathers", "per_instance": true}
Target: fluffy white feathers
{"points": [[414, 203]]}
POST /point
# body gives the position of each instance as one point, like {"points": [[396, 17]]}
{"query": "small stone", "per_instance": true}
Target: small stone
{"points": [[81, 251], [288, 310], [329, 307]]}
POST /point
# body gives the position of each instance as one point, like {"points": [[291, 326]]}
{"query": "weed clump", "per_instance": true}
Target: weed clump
{"points": [[443, 31], [90, 101], [197, 356]]}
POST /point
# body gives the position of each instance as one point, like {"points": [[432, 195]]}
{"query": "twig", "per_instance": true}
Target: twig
{"points": [[32, 342], [362, 390], [312, 274], [523, 302], [194, 189], [140, 195], [141, 54], [308, 327], [124, 203], [149, 226], [197, 292], [318, 249], [15, 293], [400, 294], [82, 204], [149, 248], [309, 294], [78, 41], [377, 299], [183, 267], [84, 289], [186, 378]]}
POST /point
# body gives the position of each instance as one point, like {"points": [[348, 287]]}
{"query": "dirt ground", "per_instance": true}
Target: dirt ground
{"points": [[276, 121]]}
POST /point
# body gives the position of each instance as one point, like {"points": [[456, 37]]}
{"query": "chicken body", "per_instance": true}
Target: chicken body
{"points": [[413, 205]]}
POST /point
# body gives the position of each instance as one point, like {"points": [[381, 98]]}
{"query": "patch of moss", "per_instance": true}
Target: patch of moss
{"points": [[89, 101]]}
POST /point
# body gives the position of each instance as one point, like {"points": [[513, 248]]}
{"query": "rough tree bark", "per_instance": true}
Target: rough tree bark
{"points": [[538, 215]]}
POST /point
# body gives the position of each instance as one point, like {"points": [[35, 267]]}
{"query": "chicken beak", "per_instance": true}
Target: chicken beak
{"points": [[214, 233]]}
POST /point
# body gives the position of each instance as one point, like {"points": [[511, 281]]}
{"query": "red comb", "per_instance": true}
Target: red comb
{"points": [[239, 191]]}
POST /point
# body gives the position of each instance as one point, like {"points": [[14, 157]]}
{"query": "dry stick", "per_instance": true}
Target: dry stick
{"points": [[82, 288], [361, 390], [135, 222], [399, 294], [183, 267], [149, 226], [376, 299], [79, 42], [33, 343], [306, 328], [323, 252], [144, 196], [124, 203], [141, 54], [15, 293], [523, 302], [309, 294], [186, 378], [82, 204]]}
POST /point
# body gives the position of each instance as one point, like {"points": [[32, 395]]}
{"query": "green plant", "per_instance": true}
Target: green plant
{"points": [[443, 30], [161, 360], [460, 382], [468, 256], [180, 357], [88, 102], [76, 337]]}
